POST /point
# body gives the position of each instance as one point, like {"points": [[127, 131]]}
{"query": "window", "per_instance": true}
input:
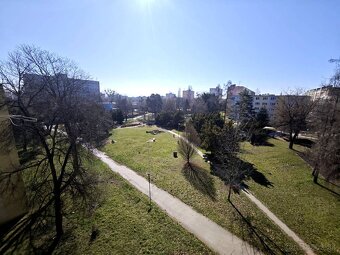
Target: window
{"points": [[257, 98], [257, 103], [264, 103], [272, 103], [272, 98], [265, 98]]}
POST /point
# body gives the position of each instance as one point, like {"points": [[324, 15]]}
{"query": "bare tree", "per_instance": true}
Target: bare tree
{"points": [[186, 145], [51, 89], [110, 94], [325, 153], [292, 113]]}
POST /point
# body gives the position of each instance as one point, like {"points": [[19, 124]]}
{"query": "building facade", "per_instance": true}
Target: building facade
{"points": [[170, 95], [88, 89], [233, 99], [216, 91], [12, 197], [189, 94], [266, 101], [323, 93]]}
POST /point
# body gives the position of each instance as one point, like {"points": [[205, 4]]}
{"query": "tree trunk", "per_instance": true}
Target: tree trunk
{"points": [[316, 175], [58, 220], [225, 111], [291, 140], [24, 136], [229, 192], [58, 213]]}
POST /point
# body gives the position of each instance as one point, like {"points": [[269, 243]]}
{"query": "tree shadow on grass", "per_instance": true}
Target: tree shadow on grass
{"points": [[245, 172], [260, 178], [200, 179], [328, 189], [265, 143], [250, 231]]}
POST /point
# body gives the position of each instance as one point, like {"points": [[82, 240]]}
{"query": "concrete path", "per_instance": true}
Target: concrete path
{"points": [[214, 236], [201, 154], [304, 246], [307, 249]]}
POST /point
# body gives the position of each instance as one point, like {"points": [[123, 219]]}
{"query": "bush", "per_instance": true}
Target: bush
{"points": [[117, 116], [170, 120]]}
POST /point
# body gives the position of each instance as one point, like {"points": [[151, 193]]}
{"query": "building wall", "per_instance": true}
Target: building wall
{"points": [[216, 91], [233, 99], [189, 94], [170, 96], [12, 196], [267, 101], [35, 83], [323, 93]]}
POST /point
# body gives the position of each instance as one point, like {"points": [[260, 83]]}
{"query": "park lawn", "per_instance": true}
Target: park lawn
{"points": [[308, 209], [209, 198], [124, 224]]}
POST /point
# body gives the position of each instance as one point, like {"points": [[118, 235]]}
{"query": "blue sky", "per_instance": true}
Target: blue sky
{"points": [[139, 47]]}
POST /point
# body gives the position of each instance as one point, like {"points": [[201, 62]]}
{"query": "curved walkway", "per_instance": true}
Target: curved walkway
{"points": [[304, 246], [214, 236]]}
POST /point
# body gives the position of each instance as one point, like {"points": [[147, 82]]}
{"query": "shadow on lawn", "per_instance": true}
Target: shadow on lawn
{"points": [[200, 179], [260, 178], [251, 231], [328, 189]]}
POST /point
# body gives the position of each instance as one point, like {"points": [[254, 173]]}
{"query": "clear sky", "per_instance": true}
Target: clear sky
{"points": [[139, 47]]}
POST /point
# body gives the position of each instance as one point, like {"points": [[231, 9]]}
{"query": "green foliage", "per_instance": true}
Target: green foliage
{"points": [[154, 103], [259, 135], [211, 101], [261, 119], [170, 120], [117, 116], [246, 111], [224, 159], [208, 127]]}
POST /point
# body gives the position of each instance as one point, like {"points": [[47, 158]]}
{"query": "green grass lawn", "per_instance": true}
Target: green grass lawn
{"points": [[208, 197], [310, 210], [125, 226]]}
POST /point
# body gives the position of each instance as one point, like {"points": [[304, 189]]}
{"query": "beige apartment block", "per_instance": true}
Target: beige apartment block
{"points": [[12, 193]]}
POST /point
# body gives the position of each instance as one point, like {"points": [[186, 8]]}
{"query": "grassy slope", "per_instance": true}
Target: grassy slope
{"points": [[133, 150], [125, 225], [308, 209]]}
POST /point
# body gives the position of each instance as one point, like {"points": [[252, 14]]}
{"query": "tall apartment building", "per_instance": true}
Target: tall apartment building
{"points": [[170, 95], [189, 94], [233, 99], [266, 101], [216, 91], [326, 92], [85, 88]]}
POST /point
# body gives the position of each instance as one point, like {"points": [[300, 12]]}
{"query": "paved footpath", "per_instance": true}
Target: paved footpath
{"points": [[305, 247], [214, 236]]}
